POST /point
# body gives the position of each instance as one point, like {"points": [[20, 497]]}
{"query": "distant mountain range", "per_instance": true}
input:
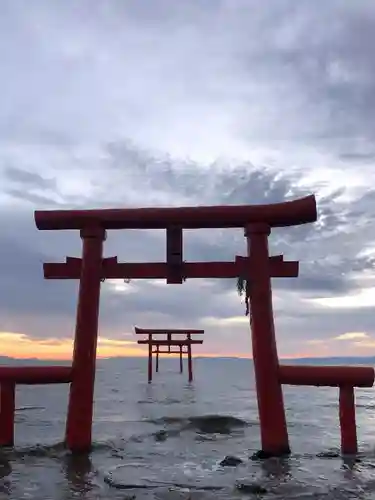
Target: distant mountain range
{"points": [[336, 360]]}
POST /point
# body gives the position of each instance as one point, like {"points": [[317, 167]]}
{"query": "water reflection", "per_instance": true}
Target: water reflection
{"points": [[350, 463], [168, 432], [78, 471], [164, 394], [277, 468], [5, 472], [5, 466]]}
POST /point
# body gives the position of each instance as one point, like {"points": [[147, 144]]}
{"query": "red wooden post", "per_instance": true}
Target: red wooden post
{"points": [[7, 408], [157, 359], [81, 398], [347, 421], [150, 358], [169, 338], [181, 362], [174, 255], [274, 434], [190, 362]]}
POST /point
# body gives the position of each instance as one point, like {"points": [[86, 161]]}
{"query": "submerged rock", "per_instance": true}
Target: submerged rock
{"points": [[230, 461], [328, 454], [161, 435], [264, 455], [132, 476], [254, 488], [216, 424]]}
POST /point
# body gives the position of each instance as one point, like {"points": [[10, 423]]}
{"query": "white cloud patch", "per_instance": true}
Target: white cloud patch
{"points": [[352, 336]]}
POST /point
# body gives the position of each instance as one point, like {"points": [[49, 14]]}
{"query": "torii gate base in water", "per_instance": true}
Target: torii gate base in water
{"points": [[258, 268], [168, 343]]}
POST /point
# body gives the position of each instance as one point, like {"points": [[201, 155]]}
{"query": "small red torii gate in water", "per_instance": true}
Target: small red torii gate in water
{"points": [[258, 267], [169, 342]]}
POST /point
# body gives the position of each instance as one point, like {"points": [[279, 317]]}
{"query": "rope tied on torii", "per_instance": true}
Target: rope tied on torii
{"points": [[243, 288]]}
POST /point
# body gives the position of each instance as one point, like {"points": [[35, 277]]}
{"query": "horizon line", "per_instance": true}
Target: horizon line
{"points": [[296, 358]]}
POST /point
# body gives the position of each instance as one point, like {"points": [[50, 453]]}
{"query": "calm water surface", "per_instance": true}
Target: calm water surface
{"points": [[166, 440]]}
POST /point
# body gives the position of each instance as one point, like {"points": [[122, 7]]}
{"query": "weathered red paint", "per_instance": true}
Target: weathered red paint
{"points": [[169, 342], [32, 375], [181, 361], [157, 358], [150, 344], [174, 260], [111, 269], [168, 352], [348, 426], [189, 356], [7, 409], [290, 213], [344, 377], [274, 434], [328, 376], [10, 376], [258, 267], [165, 331], [80, 410]]}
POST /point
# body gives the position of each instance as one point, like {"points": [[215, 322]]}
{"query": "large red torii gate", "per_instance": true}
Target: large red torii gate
{"points": [[258, 266]]}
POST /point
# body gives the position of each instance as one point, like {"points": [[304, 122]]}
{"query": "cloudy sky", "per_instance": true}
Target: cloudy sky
{"points": [[135, 103]]}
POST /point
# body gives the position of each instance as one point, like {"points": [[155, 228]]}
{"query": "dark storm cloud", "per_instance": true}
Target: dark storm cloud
{"points": [[27, 179], [340, 223], [318, 276], [325, 324], [33, 198], [324, 53]]}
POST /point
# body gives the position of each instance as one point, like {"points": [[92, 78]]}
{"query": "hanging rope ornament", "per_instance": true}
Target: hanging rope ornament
{"points": [[243, 288]]}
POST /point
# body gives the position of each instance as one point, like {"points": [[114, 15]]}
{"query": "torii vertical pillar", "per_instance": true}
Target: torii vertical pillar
{"points": [[273, 428], [157, 359], [149, 370], [347, 420], [190, 361], [81, 398], [181, 361], [7, 409]]}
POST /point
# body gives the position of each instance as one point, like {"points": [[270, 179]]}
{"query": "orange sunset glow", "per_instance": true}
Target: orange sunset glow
{"points": [[21, 346]]}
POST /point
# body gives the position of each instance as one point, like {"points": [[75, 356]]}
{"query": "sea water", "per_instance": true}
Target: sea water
{"points": [[166, 440]]}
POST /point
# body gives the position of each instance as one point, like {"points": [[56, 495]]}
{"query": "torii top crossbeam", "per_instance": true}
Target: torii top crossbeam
{"points": [[289, 213], [169, 341], [163, 331]]}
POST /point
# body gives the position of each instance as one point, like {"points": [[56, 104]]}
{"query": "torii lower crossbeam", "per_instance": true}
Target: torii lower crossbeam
{"points": [[112, 269]]}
